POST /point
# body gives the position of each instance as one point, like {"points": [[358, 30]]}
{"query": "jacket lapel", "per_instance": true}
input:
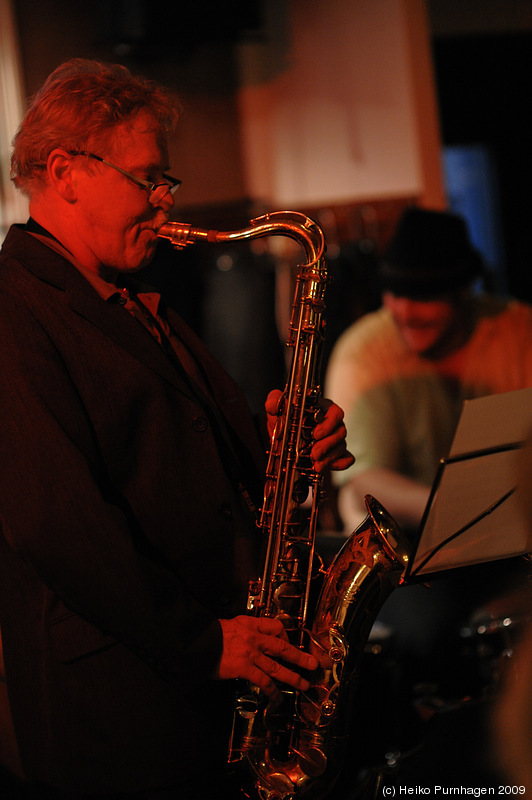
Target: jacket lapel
{"points": [[113, 320], [118, 324]]}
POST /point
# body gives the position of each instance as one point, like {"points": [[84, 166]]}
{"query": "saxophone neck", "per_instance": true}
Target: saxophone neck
{"points": [[292, 224]]}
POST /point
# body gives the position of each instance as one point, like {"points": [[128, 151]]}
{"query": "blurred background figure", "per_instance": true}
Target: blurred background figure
{"points": [[403, 371]]}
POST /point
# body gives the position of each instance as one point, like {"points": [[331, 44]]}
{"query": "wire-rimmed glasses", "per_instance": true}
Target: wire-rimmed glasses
{"points": [[156, 191]]}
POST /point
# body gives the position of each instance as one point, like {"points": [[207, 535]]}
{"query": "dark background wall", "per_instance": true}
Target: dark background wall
{"points": [[483, 84]]}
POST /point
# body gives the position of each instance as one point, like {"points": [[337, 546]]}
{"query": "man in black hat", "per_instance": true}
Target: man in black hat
{"points": [[402, 373]]}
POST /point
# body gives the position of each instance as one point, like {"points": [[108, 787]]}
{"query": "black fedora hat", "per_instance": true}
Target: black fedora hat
{"points": [[430, 254]]}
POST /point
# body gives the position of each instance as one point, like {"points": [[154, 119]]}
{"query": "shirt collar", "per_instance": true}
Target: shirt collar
{"points": [[108, 290]]}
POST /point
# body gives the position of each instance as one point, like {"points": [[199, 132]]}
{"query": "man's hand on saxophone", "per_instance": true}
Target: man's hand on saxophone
{"points": [[257, 649], [329, 450]]}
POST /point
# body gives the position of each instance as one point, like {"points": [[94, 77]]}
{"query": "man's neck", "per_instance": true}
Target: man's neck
{"points": [[35, 227]]}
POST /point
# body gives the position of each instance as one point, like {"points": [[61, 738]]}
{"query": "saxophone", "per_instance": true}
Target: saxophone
{"points": [[296, 749]]}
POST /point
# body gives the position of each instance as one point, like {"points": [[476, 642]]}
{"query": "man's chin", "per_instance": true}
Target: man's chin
{"points": [[421, 345], [146, 256]]}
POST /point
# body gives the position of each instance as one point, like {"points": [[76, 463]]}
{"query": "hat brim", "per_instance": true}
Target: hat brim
{"points": [[419, 283]]}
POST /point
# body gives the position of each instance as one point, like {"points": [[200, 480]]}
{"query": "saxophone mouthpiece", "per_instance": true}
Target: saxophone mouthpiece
{"points": [[182, 234]]}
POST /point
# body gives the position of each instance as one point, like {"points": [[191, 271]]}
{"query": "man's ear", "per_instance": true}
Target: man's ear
{"points": [[60, 174]]}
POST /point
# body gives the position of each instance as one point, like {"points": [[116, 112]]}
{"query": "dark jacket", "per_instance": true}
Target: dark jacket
{"points": [[123, 535]]}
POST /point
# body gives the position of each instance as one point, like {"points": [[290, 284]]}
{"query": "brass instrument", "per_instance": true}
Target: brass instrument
{"points": [[296, 749]]}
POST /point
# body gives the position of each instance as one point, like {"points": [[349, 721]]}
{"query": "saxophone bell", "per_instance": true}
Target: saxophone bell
{"points": [[302, 755]]}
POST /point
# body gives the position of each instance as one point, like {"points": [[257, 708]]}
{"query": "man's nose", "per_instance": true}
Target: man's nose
{"points": [[166, 202]]}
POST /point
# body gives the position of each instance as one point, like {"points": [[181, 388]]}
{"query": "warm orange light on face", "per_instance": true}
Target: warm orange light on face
{"points": [[422, 324]]}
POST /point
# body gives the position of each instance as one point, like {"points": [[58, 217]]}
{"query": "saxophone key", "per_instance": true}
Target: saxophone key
{"points": [[312, 761], [247, 706]]}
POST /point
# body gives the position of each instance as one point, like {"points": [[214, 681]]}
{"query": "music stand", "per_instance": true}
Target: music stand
{"points": [[473, 514]]}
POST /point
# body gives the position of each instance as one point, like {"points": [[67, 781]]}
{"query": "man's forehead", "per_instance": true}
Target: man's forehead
{"points": [[449, 298], [141, 139]]}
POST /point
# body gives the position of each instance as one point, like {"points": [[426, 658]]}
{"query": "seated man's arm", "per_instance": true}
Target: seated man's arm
{"points": [[402, 497]]}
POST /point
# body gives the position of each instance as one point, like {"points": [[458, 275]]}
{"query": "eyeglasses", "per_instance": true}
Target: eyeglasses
{"points": [[156, 191]]}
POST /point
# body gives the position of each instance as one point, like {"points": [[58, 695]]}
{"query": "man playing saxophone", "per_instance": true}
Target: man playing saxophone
{"points": [[130, 474]]}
